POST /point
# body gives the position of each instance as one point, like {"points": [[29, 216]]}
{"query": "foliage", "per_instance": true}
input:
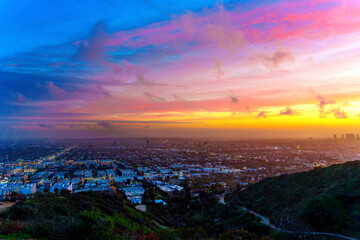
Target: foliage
{"points": [[242, 235], [204, 215], [89, 215], [324, 199]]}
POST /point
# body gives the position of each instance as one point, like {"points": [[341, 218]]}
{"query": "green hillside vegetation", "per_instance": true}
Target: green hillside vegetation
{"points": [[208, 214], [324, 200], [94, 215], [90, 215]]}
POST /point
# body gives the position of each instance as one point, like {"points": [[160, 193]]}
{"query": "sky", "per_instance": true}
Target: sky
{"points": [[146, 68]]}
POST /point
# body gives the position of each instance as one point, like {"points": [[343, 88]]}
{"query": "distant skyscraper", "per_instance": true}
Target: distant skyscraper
{"points": [[335, 137], [147, 142], [350, 137], [357, 137], [342, 136]]}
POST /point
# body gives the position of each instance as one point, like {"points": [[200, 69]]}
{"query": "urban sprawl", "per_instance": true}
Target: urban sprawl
{"points": [[126, 165]]}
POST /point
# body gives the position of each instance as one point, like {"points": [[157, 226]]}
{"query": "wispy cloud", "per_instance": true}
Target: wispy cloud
{"points": [[177, 98], [261, 114], [93, 48], [219, 68], [154, 97], [55, 90], [278, 58], [322, 103], [234, 99], [286, 111], [339, 113], [45, 125], [106, 125]]}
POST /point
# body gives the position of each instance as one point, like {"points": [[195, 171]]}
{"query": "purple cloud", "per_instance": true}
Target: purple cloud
{"points": [[322, 103], [45, 125], [261, 114], [154, 97], [106, 125], [287, 111], [339, 113]]}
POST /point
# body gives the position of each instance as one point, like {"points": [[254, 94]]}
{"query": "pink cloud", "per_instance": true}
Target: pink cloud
{"points": [[55, 90], [184, 70], [229, 29]]}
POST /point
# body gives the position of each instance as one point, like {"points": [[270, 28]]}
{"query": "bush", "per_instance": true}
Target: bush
{"points": [[8, 227]]}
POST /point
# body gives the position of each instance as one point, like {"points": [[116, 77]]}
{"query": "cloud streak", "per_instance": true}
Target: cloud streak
{"points": [[106, 125], [261, 114], [339, 113], [44, 125], [279, 57], [286, 111], [154, 97]]}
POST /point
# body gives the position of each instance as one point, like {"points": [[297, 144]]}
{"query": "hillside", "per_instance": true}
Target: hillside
{"points": [[90, 215], [323, 200], [207, 213], [95, 215]]}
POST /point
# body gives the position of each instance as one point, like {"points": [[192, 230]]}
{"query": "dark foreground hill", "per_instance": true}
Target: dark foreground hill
{"points": [[90, 215], [102, 216], [321, 200]]}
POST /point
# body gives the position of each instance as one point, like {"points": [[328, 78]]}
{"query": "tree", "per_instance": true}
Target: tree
{"points": [[14, 196], [149, 196], [65, 192]]}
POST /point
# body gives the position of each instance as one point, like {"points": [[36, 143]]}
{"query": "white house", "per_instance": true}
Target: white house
{"points": [[28, 189], [62, 185]]}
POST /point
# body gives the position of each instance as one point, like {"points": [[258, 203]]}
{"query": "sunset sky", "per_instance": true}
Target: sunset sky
{"points": [[164, 68]]}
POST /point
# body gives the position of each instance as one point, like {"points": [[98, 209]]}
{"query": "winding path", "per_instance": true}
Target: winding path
{"points": [[266, 222]]}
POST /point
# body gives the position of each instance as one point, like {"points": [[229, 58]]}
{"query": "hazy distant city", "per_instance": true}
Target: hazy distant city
{"points": [[123, 165]]}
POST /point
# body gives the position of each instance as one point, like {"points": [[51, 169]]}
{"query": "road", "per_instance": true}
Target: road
{"points": [[266, 222], [5, 204]]}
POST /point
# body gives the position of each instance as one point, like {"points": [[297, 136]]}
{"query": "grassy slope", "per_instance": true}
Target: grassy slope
{"points": [[94, 215], [326, 199], [79, 216]]}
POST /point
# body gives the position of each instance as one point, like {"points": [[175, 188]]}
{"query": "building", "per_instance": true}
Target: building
{"points": [[62, 185], [28, 189], [127, 173], [4, 190], [170, 188], [350, 137], [160, 201], [119, 179], [134, 193], [221, 199]]}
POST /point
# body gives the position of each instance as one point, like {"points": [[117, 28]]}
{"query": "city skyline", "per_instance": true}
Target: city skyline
{"points": [[236, 69]]}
